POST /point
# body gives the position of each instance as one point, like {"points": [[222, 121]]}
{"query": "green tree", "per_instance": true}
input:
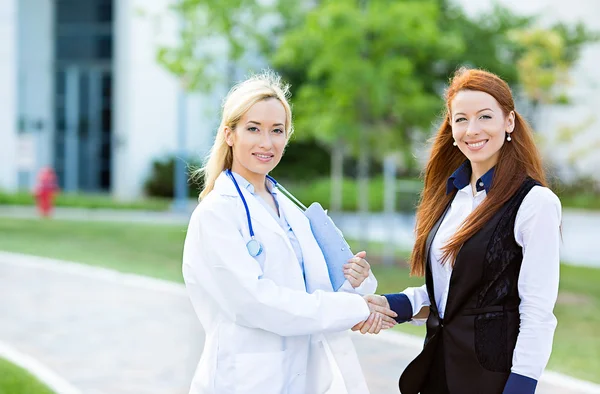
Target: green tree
{"points": [[212, 33], [362, 91]]}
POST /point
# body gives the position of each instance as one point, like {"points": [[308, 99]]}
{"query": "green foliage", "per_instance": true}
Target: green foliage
{"points": [[361, 71], [303, 160], [320, 189], [545, 56], [15, 380], [582, 193], [160, 182], [382, 65], [213, 34]]}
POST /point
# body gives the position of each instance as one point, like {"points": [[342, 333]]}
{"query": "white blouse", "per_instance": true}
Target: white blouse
{"points": [[537, 231]]}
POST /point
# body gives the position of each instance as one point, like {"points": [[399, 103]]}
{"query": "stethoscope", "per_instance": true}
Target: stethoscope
{"points": [[254, 246]]}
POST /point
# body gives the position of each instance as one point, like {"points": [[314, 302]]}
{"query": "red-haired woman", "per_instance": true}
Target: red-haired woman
{"points": [[487, 238]]}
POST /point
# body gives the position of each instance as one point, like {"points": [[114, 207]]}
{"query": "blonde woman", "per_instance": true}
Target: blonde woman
{"points": [[255, 274]]}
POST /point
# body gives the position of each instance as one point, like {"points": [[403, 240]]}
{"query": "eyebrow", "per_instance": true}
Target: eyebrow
{"points": [[481, 110], [258, 123]]}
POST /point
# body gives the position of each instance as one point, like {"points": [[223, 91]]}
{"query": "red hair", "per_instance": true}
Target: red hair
{"points": [[518, 159]]}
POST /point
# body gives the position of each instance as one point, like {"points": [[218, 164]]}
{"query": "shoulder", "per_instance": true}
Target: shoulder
{"points": [[541, 198], [540, 202], [214, 206]]}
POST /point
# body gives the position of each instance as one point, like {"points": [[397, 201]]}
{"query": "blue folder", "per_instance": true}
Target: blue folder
{"points": [[334, 247]]}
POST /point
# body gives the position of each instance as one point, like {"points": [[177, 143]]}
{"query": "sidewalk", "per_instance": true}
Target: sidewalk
{"points": [[112, 333], [579, 228]]}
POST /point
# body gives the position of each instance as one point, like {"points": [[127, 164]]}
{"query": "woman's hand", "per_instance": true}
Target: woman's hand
{"points": [[381, 317], [357, 269]]}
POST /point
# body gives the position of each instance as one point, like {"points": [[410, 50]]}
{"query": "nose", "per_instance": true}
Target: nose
{"points": [[473, 128], [265, 141]]}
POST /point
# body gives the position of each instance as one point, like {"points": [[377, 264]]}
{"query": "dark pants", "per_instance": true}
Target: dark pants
{"points": [[436, 380]]}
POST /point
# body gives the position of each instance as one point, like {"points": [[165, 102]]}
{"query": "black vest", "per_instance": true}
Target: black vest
{"points": [[481, 321]]}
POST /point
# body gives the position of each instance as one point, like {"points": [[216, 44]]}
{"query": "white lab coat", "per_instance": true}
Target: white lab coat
{"points": [[266, 333]]}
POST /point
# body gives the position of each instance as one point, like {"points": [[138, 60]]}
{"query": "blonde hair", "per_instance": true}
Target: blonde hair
{"points": [[238, 101]]}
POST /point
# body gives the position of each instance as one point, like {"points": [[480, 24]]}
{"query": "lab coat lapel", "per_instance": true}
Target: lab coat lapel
{"points": [[315, 268], [224, 185]]}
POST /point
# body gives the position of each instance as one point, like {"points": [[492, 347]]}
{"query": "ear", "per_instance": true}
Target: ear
{"points": [[510, 122], [228, 136]]}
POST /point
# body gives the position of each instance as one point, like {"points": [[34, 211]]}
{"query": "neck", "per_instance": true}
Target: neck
{"points": [[257, 180], [478, 170]]}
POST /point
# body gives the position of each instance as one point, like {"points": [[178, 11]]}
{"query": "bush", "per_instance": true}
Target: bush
{"points": [[584, 193], [161, 182], [407, 195]]}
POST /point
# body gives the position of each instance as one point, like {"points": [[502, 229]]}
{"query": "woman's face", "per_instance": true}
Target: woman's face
{"points": [[259, 139], [479, 127]]}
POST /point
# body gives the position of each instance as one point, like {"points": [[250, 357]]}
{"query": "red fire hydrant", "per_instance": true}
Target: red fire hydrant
{"points": [[45, 191]]}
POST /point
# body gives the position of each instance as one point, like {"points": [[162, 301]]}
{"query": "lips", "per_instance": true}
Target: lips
{"points": [[264, 157], [476, 145]]}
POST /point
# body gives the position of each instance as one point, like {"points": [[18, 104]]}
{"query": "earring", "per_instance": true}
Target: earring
{"points": [[454, 143], [508, 137]]}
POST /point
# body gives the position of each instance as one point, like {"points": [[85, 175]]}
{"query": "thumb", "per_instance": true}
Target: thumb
{"points": [[361, 254]]}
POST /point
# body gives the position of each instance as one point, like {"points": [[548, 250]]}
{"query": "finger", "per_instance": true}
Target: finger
{"points": [[389, 320], [386, 326], [376, 324], [385, 311], [362, 254], [365, 328], [352, 273], [379, 324], [358, 326], [353, 282], [363, 264], [358, 265], [374, 299]]}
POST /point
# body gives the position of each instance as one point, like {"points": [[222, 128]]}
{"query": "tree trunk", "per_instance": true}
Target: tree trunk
{"points": [[389, 207], [337, 176], [363, 190]]}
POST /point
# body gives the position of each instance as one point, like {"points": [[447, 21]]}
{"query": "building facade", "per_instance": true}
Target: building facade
{"points": [[82, 92]]}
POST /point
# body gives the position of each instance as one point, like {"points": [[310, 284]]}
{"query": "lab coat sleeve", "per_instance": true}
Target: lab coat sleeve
{"points": [[215, 253]]}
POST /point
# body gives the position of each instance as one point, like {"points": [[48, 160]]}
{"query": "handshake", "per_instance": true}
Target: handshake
{"points": [[381, 317]]}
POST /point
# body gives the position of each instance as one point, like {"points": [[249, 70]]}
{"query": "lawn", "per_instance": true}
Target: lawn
{"points": [[89, 201], [155, 250], [15, 380]]}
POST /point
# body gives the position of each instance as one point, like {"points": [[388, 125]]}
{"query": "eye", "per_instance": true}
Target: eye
{"points": [[278, 131], [253, 129], [486, 117], [457, 120]]}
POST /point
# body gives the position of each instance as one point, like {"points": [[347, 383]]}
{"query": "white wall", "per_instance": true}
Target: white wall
{"points": [[8, 94], [145, 106], [585, 89], [35, 76]]}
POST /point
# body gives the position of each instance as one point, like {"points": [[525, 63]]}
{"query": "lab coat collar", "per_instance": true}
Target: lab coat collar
{"points": [[258, 213]]}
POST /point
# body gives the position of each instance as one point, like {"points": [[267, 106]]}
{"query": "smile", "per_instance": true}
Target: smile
{"points": [[476, 145], [263, 157]]}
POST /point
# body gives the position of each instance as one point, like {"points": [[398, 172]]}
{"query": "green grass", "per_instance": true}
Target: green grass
{"points": [[153, 250], [585, 200], [91, 201], [15, 380], [156, 251]]}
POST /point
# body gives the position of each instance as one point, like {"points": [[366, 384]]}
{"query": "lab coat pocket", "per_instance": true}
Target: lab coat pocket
{"points": [[260, 373]]}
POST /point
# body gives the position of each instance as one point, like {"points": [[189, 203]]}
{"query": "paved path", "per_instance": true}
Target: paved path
{"points": [[113, 333], [581, 229]]}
